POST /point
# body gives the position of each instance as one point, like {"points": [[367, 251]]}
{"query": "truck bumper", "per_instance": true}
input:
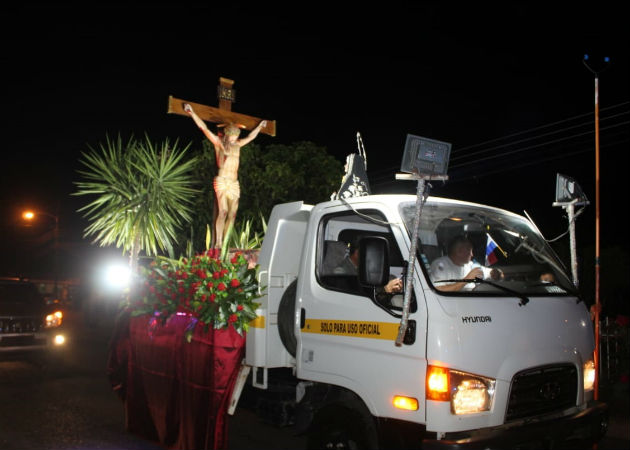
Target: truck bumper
{"points": [[583, 428], [31, 343]]}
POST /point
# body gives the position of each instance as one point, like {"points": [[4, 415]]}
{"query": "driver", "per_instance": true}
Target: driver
{"points": [[350, 265], [458, 265]]}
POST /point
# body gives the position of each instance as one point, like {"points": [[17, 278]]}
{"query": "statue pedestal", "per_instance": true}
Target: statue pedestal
{"points": [[175, 392]]}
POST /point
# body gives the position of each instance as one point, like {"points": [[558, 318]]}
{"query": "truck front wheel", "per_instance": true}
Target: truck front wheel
{"points": [[340, 428]]}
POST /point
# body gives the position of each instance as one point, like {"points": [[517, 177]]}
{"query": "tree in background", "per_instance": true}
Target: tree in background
{"points": [[193, 237], [143, 194], [268, 175], [283, 173]]}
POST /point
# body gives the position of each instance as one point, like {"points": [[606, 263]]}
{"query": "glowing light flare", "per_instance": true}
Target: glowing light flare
{"points": [[118, 276], [28, 215], [405, 403], [54, 320], [59, 339], [438, 383], [589, 375]]}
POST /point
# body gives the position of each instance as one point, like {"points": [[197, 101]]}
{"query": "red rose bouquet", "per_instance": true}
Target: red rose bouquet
{"points": [[215, 292]]}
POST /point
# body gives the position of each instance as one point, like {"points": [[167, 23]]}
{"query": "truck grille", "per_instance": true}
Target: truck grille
{"points": [[21, 341], [542, 390], [19, 325]]}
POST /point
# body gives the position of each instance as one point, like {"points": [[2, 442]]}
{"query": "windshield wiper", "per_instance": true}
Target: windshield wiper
{"points": [[523, 297]]}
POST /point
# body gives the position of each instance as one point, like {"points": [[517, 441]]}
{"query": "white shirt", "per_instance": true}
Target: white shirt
{"points": [[445, 269]]}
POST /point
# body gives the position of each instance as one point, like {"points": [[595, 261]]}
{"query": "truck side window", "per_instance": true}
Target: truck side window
{"points": [[338, 235]]}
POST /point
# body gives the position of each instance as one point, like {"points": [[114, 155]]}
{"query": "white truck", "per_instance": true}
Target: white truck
{"points": [[504, 363]]}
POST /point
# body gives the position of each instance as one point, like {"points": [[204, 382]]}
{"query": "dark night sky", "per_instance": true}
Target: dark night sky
{"points": [[504, 83]]}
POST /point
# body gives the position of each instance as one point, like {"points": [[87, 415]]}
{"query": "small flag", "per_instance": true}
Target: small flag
{"points": [[491, 246]]}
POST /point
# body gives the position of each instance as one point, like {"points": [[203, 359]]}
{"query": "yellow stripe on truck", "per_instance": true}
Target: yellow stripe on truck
{"points": [[258, 322], [352, 328]]}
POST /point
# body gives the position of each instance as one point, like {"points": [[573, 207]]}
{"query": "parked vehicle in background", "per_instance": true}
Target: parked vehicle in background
{"points": [[28, 325]]}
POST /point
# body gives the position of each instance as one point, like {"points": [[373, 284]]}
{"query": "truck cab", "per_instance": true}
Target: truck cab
{"points": [[500, 360]]}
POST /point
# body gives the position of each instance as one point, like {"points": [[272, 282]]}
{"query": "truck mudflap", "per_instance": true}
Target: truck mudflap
{"points": [[580, 429]]}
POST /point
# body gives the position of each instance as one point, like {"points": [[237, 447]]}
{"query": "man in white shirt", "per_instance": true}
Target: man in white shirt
{"points": [[458, 265]]}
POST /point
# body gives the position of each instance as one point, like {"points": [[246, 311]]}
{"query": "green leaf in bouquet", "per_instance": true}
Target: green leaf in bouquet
{"points": [[140, 312]]}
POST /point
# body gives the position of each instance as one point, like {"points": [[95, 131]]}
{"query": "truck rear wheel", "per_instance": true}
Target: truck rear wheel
{"points": [[286, 318]]}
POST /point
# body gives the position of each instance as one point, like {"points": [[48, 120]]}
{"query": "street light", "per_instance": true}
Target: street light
{"points": [[31, 215]]}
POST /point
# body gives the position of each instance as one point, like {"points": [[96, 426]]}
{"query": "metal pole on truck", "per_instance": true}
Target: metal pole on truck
{"points": [[402, 329], [424, 159], [571, 216], [569, 207]]}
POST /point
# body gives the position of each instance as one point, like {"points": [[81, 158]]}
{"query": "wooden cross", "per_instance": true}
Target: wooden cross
{"points": [[223, 114]]}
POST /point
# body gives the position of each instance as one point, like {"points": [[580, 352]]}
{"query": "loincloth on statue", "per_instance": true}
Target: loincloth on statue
{"points": [[225, 186]]}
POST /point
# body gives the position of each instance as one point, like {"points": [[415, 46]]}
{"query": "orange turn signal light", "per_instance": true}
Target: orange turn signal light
{"points": [[438, 383], [406, 403]]}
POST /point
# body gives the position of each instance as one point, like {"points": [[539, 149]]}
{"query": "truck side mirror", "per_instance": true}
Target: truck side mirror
{"points": [[373, 261]]}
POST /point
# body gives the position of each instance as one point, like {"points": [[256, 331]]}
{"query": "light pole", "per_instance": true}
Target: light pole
{"points": [[597, 300], [31, 215]]}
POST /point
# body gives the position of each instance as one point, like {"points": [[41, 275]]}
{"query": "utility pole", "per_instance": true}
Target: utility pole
{"points": [[597, 300]]}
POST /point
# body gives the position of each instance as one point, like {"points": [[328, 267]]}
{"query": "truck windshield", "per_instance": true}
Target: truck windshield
{"points": [[459, 242]]}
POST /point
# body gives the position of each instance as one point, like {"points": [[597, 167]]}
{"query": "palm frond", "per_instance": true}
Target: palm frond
{"points": [[139, 189]]}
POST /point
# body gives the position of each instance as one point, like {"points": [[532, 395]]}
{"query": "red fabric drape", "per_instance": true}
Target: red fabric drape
{"points": [[175, 392]]}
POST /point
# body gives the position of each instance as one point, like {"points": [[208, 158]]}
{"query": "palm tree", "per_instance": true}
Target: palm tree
{"points": [[143, 194]]}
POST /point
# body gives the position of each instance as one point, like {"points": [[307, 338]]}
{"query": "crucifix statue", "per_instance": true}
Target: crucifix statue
{"points": [[227, 146]]}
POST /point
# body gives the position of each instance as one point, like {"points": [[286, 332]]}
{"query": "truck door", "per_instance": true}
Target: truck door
{"points": [[347, 332]]}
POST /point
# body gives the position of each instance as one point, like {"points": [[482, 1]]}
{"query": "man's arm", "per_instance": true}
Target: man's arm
{"points": [[492, 273], [202, 125], [476, 272], [252, 135], [454, 287], [385, 293], [394, 286]]}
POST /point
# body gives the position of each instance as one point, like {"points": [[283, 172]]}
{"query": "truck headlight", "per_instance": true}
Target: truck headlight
{"points": [[54, 320], [589, 375], [467, 393]]}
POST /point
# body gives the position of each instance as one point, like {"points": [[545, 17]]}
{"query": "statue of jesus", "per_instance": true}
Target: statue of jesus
{"points": [[226, 187]]}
